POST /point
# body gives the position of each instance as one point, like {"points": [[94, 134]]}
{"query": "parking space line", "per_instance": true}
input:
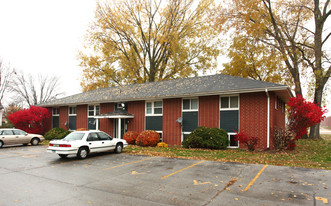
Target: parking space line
{"points": [[128, 163], [255, 178], [182, 169]]}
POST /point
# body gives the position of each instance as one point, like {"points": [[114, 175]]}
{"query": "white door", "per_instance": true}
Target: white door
{"points": [[94, 143]]}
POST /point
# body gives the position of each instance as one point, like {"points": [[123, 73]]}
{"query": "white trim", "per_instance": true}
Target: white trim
{"points": [[55, 115], [182, 136], [69, 111], [115, 117], [229, 138], [94, 110], [153, 107], [190, 110], [229, 108], [268, 118]]}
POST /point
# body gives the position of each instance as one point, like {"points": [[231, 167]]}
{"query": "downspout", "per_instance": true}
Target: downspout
{"points": [[268, 118]]}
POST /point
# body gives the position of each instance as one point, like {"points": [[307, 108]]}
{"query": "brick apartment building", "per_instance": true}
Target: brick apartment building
{"points": [[174, 108]]}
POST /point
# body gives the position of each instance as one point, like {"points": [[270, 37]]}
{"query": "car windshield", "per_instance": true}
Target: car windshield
{"points": [[75, 136]]}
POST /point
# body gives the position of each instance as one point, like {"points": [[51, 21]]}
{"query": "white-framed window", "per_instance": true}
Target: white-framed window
{"points": [[190, 104], [72, 111], [229, 102], [55, 112], [93, 110], [185, 135], [161, 135], [232, 142], [154, 108]]}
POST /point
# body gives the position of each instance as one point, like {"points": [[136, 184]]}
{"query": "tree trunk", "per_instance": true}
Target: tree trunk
{"points": [[315, 130]]}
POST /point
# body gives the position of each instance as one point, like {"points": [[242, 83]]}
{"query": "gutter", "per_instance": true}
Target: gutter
{"points": [[268, 118]]}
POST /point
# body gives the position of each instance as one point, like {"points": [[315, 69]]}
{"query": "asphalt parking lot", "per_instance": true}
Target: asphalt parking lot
{"points": [[30, 176]]}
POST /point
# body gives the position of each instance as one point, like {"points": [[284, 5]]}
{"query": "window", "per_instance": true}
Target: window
{"points": [[19, 132], [93, 110], [233, 142], [190, 104], [230, 103], [154, 108], [72, 118], [7, 132], [72, 111], [104, 136], [56, 112]]}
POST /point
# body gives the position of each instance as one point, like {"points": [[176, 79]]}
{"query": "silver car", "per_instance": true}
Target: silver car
{"points": [[17, 136]]}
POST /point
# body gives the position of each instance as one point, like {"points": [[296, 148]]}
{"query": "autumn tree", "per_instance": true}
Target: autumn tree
{"points": [[249, 58], [285, 27], [5, 75], [31, 120], [146, 41], [33, 90]]}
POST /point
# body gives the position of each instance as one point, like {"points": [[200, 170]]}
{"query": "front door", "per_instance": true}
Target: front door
{"points": [[120, 125]]}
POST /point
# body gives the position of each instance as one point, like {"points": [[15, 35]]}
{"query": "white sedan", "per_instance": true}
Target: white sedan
{"points": [[81, 143]]}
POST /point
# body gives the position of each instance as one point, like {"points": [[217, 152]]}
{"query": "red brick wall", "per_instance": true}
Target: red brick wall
{"points": [[48, 123], [81, 121], [138, 122], [253, 116], [63, 119], [107, 125], [172, 110], [209, 111], [277, 117]]}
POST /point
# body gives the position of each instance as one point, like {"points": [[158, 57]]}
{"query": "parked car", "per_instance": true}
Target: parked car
{"points": [[82, 143], [17, 136]]}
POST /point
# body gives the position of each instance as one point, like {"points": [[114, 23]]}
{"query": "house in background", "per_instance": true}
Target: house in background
{"points": [[174, 108], [326, 122]]}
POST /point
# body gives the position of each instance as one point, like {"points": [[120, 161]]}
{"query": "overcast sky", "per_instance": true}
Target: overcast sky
{"points": [[44, 36]]}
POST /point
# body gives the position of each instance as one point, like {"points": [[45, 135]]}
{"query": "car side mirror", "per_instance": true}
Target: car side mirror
{"points": [[26, 134]]}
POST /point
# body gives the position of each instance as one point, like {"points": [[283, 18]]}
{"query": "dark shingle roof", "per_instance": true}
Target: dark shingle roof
{"points": [[196, 86]]}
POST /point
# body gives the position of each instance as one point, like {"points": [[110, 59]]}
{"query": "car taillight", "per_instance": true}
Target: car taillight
{"points": [[64, 145], [51, 145]]}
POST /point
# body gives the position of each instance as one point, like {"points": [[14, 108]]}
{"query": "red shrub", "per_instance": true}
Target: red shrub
{"points": [[303, 114], [31, 120], [249, 141], [130, 137], [148, 138]]}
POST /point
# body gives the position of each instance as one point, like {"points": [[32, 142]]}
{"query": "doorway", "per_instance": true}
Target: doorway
{"points": [[120, 124]]}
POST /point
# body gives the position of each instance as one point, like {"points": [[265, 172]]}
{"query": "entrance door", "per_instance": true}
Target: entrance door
{"points": [[123, 128]]}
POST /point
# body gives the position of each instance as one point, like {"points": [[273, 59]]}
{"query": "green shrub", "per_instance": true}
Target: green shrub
{"points": [[56, 133], [7, 125], [207, 138]]}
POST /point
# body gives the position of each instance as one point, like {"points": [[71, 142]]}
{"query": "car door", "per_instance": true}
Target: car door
{"points": [[21, 137], [106, 141], [7, 137], [94, 143]]}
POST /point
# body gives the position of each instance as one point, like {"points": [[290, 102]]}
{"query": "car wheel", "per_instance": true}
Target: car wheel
{"points": [[34, 141], [82, 153], [1, 143], [118, 148]]}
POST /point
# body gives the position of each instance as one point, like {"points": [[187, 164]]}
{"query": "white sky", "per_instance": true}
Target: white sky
{"points": [[44, 36]]}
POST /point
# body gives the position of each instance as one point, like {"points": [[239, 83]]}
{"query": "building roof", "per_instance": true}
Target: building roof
{"points": [[218, 84]]}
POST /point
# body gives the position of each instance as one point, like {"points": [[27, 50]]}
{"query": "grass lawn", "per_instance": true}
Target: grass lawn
{"points": [[308, 153]]}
